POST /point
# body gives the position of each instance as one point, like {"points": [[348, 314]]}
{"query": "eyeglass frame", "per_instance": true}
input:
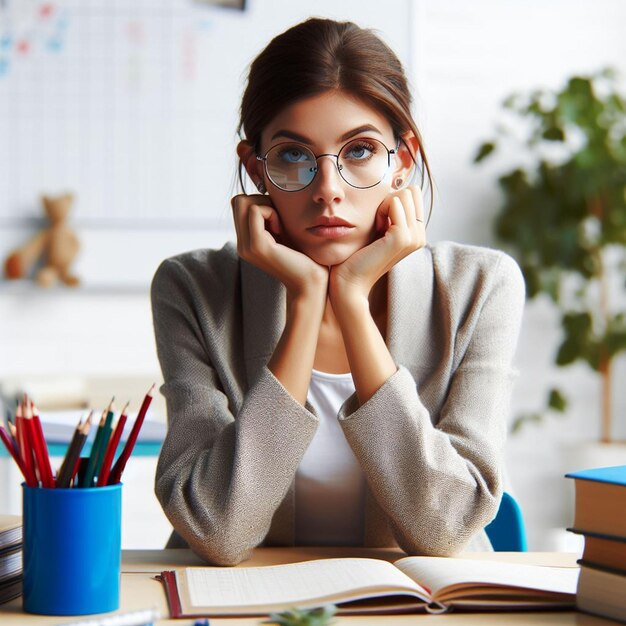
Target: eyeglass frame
{"points": [[389, 153]]}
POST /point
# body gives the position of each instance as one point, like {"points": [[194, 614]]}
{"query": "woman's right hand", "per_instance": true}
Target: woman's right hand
{"points": [[259, 233]]}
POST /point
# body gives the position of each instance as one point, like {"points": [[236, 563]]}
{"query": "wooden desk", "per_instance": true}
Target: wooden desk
{"points": [[141, 591]]}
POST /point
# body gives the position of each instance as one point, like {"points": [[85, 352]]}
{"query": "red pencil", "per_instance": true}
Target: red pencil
{"points": [[23, 442], [6, 439], [105, 470], [35, 443], [45, 469], [120, 464]]}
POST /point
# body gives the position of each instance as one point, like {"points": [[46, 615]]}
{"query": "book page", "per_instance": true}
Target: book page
{"points": [[444, 576], [309, 582]]}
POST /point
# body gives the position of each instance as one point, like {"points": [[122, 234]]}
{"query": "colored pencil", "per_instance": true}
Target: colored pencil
{"points": [[103, 475], [6, 439], [104, 439], [13, 432], [23, 442], [90, 470], [47, 478], [66, 471], [34, 442], [10, 427], [120, 464]]}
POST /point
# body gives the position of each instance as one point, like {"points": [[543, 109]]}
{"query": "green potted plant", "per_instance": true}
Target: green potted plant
{"points": [[563, 216], [321, 616]]}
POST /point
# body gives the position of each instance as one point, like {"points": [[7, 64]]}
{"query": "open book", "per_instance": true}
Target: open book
{"points": [[361, 585]]}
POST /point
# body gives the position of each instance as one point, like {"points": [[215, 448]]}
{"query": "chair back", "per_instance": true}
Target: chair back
{"points": [[506, 531]]}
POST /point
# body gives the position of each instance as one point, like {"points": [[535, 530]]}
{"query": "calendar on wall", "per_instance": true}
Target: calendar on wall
{"points": [[133, 105], [117, 102]]}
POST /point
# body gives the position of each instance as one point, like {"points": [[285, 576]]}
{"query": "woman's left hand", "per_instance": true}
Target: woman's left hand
{"points": [[400, 219]]}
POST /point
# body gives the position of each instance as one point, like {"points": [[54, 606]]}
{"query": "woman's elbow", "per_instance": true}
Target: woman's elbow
{"points": [[440, 544], [220, 552]]}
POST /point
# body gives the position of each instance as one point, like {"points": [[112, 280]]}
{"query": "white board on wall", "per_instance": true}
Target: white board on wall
{"points": [[133, 106]]}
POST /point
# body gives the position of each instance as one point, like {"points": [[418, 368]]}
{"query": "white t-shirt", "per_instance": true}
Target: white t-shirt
{"points": [[330, 485]]}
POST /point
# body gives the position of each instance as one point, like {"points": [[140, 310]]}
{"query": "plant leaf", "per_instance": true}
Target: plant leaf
{"points": [[484, 150], [557, 401]]}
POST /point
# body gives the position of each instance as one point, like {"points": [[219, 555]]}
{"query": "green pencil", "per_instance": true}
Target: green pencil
{"points": [[107, 429], [90, 472]]}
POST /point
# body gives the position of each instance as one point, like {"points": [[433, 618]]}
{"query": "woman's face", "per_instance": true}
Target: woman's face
{"points": [[324, 124]]}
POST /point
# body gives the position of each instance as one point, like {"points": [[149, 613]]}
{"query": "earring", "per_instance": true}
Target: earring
{"points": [[261, 187], [398, 183]]}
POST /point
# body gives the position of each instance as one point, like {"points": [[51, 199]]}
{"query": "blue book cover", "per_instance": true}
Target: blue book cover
{"points": [[614, 475]]}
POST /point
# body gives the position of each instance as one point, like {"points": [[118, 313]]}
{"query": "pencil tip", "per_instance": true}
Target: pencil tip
{"points": [[151, 392], [125, 408]]}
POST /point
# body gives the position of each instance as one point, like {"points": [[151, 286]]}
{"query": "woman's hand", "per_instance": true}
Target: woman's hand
{"points": [[258, 241], [400, 219]]}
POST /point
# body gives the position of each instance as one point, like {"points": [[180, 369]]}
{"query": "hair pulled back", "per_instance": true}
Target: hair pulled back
{"points": [[320, 55]]}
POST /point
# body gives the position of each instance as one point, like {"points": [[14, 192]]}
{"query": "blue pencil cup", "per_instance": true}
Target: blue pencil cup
{"points": [[72, 550]]}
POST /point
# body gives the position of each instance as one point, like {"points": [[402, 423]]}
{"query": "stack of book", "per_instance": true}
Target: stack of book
{"points": [[600, 516], [10, 557]]}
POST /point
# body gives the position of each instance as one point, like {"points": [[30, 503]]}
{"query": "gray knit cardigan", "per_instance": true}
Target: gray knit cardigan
{"points": [[430, 440]]}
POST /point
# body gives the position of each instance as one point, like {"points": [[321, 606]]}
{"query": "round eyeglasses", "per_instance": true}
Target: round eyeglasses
{"points": [[362, 163]]}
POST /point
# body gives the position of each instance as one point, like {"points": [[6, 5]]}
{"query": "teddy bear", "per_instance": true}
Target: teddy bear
{"points": [[56, 246]]}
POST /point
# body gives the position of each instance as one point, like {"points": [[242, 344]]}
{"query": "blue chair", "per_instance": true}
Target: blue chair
{"points": [[506, 531]]}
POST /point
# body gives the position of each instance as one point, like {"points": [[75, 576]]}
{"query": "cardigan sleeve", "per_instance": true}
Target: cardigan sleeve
{"points": [[438, 477], [222, 472]]}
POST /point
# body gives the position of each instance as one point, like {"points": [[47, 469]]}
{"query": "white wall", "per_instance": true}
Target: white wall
{"points": [[463, 59], [468, 56]]}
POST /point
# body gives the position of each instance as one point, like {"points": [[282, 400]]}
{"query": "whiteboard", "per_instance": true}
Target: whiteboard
{"points": [[133, 105]]}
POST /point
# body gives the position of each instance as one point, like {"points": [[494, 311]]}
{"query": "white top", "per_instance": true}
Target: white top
{"points": [[330, 485]]}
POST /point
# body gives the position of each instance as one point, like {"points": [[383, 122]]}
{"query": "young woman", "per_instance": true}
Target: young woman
{"points": [[332, 379]]}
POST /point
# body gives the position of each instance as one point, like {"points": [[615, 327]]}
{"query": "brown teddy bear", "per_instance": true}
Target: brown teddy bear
{"points": [[58, 246]]}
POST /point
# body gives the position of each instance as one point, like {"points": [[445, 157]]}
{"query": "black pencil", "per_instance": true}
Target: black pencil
{"points": [[64, 476]]}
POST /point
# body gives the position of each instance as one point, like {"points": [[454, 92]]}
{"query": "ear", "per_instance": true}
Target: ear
{"points": [[406, 156], [247, 155]]}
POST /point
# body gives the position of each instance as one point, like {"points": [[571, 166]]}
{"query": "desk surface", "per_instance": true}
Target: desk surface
{"points": [[141, 591]]}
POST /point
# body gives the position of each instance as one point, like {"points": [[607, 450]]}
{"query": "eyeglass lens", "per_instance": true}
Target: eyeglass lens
{"points": [[361, 163]]}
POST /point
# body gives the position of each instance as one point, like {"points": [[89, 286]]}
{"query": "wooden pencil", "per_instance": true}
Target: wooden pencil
{"points": [[85, 429], [103, 475], [23, 442], [11, 428], [107, 429], [64, 475], [47, 478], [90, 464], [34, 442], [90, 471], [6, 439], [13, 432], [120, 464]]}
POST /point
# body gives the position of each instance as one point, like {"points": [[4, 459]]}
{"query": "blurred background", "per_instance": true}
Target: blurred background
{"points": [[132, 108]]}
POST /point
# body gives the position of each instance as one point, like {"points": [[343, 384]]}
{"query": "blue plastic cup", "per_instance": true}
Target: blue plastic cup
{"points": [[72, 550]]}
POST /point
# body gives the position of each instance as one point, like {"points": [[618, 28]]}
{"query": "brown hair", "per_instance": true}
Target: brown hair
{"points": [[320, 55]]}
